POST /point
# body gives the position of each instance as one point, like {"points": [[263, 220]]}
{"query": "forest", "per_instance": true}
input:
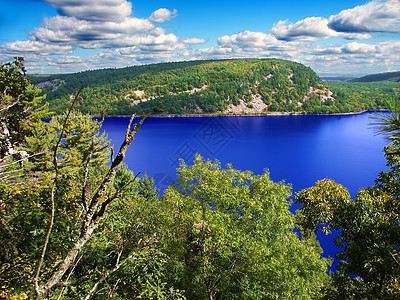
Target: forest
{"points": [[78, 224], [238, 86], [388, 76]]}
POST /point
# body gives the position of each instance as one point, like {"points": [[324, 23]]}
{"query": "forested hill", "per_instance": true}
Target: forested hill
{"points": [[197, 87], [389, 76]]}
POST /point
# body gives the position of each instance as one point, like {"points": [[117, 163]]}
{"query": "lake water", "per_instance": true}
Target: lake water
{"points": [[298, 149]]}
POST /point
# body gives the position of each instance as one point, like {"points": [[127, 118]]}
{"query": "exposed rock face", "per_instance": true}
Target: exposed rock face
{"points": [[51, 85]]}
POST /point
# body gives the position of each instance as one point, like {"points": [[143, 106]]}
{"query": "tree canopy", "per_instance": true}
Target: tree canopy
{"points": [[230, 235]]}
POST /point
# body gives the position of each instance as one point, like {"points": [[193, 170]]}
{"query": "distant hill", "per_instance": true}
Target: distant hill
{"points": [[234, 86], [389, 76], [337, 78]]}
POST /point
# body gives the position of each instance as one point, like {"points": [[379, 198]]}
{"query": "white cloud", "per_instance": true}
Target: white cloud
{"points": [[309, 29], [193, 41], [162, 15], [99, 10], [376, 16], [250, 40], [100, 24], [355, 47], [34, 47], [355, 23], [355, 57], [82, 33]]}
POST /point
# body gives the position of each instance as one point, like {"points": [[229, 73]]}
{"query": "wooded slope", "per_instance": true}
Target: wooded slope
{"points": [[201, 87]]}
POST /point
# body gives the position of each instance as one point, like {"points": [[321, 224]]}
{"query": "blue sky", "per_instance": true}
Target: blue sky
{"points": [[332, 37]]}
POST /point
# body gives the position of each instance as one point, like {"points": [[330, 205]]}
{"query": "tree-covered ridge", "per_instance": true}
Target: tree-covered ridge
{"points": [[240, 85], [388, 76], [360, 96]]}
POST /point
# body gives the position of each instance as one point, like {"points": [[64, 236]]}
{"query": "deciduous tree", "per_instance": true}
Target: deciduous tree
{"points": [[230, 235]]}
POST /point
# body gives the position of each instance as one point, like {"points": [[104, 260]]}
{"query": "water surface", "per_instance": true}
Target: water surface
{"points": [[298, 149]]}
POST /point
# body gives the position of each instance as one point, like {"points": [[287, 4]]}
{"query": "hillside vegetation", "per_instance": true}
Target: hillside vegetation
{"points": [[238, 86], [228, 86], [388, 76]]}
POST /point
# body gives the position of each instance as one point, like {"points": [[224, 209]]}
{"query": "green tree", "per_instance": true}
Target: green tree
{"points": [[230, 236], [18, 112], [49, 238]]}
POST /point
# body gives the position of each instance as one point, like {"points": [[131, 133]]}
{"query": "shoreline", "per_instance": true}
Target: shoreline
{"points": [[243, 114]]}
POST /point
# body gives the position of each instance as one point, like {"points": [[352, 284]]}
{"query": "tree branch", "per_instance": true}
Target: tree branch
{"points": [[43, 292], [11, 105], [92, 217], [73, 283]]}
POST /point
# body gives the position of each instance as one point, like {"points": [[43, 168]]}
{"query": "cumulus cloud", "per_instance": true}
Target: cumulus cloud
{"points": [[355, 47], [99, 10], [162, 15], [355, 57], [355, 23], [376, 16], [249, 40], [309, 29], [246, 44], [100, 24], [22, 47], [85, 34]]}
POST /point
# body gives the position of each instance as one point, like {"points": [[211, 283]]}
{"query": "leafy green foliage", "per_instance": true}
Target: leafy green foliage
{"points": [[230, 235], [360, 96], [216, 233], [18, 109], [389, 124]]}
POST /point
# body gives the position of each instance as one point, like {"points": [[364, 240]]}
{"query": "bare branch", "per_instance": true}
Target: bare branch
{"points": [[129, 127], [92, 217], [18, 161], [72, 283], [395, 259], [11, 105], [86, 176], [112, 155], [39, 291], [69, 275]]}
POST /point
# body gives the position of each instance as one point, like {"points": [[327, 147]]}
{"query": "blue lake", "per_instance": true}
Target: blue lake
{"points": [[298, 149]]}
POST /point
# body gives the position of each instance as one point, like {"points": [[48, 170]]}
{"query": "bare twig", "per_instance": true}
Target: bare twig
{"points": [[18, 161], [395, 259], [69, 275], [113, 289], [116, 268]]}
